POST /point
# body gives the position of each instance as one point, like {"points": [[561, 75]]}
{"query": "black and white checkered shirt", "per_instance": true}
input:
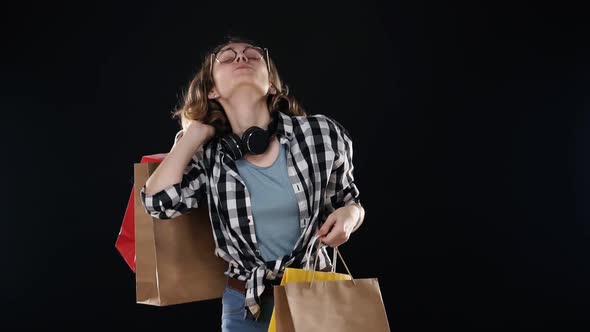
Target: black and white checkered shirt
{"points": [[320, 167]]}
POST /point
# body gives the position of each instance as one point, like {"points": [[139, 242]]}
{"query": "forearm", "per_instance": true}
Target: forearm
{"points": [[171, 169]]}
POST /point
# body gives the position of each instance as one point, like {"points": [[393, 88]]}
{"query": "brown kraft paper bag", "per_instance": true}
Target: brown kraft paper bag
{"points": [[354, 305], [175, 260]]}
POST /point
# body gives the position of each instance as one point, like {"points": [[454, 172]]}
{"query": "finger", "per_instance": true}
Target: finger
{"points": [[325, 229], [334, 237]]}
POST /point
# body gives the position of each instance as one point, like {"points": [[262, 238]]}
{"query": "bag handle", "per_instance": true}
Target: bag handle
{"points": [[309, 250], [336, 251]]}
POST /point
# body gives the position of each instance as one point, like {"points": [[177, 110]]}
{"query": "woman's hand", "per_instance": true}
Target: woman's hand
{"points": [[339, 225], [197, 128]]}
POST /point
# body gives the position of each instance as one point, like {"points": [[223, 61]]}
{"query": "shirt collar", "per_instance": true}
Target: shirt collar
{"points": [[285, 125]]}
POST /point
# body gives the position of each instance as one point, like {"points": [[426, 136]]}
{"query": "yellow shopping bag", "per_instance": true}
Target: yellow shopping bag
{"points": [[305, 275]]}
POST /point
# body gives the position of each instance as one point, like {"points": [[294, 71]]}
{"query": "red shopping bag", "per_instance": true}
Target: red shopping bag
{"points": [[125, 242]]}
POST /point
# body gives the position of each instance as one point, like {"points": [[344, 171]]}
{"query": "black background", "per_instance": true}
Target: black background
{"points": [[470, 124]]}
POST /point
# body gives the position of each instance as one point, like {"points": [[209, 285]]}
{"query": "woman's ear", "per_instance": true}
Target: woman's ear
{"points": [[272, 90], [212, 94]]}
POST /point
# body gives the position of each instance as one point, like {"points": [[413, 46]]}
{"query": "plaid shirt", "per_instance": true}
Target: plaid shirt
{"points": [[319, 161]]}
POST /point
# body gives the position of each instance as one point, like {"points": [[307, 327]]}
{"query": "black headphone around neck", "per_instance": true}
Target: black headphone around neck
{"points": [[254, 140]]}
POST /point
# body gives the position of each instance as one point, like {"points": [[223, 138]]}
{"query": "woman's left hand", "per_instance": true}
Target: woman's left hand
{"points": [[339, 225]]}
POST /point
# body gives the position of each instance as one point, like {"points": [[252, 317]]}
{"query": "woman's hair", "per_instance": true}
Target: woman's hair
{"points": [[196, 106]]}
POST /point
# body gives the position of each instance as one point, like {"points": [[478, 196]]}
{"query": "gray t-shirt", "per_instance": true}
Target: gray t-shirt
{"points": [[274, 206]]}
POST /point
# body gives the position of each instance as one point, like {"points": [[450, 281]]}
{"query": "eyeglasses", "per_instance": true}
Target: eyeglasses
{"points": [[229, 55]]}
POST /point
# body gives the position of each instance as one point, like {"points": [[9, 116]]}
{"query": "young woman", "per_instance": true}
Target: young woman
{"points": [[271, 175]]}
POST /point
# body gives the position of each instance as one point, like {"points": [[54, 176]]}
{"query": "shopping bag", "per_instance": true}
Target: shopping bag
{"points": [[300, 275], [125, 242], [175, 261], [330, 305], [292, 275]]}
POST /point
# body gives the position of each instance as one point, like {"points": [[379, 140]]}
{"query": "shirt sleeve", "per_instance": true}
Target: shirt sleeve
{"points": [[178, 199], [341, 189]]}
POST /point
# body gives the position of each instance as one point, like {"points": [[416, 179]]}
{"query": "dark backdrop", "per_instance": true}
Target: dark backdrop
{"points": [[470, 124]]}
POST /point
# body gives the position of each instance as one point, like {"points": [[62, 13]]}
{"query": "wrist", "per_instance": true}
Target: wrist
{"points": [[360, 213]]}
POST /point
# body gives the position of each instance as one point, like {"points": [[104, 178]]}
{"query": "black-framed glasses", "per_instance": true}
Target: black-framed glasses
{"points": [[250, 52]]}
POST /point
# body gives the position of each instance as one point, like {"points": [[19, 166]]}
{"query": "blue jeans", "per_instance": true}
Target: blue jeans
{"points": [[232, 317]]}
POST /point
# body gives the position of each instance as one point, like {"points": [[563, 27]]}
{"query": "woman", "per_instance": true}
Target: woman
{"points": [[272, 176]]}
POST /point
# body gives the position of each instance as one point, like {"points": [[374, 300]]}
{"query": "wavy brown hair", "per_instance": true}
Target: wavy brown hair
{"points": [[196, 106]]}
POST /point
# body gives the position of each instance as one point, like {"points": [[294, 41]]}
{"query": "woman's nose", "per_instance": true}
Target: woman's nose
{"points": [[242, 57]]}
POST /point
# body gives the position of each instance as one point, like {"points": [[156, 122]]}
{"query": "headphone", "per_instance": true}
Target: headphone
{"points": [[254, 140]]}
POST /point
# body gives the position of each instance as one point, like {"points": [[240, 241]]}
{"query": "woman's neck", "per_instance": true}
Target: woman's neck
{"points": [[246, 109]]}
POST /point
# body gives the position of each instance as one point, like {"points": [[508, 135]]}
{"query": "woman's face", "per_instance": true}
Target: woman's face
{"points": [[244, 67]]}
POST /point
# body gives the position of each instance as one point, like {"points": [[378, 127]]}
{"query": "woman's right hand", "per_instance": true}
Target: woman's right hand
{"points": [[195, 128], [171, 170]]}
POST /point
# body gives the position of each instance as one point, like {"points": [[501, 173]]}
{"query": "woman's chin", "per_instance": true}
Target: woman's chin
{"points": [[247, 87]]}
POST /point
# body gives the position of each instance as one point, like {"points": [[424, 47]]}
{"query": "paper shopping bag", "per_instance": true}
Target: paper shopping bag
{"points": [[125, 242], [335, 305], [295, 275], [330, 306], [175, 261]]}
